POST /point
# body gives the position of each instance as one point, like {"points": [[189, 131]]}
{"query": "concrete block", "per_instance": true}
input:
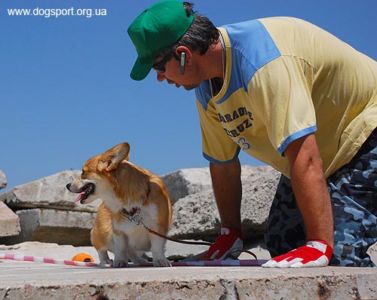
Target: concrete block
{"points": [[196, 216], [9, 221], [48, 192], [372, 251], [53, 226], [186, 182], [3, 180]]}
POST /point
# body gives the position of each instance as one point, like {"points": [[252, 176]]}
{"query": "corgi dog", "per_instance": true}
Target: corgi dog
{"points": [[131, 197]]}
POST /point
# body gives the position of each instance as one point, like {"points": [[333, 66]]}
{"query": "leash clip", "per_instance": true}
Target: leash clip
{"points": [[136, 219], [134, 216]]}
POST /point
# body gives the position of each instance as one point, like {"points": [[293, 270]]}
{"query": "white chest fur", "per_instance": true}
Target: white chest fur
{"points": [[138, 236], [112, 202]]}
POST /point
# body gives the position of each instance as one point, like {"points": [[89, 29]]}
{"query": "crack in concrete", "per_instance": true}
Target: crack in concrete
{"points": [[181, 286], [6, 294], [230, 290]]}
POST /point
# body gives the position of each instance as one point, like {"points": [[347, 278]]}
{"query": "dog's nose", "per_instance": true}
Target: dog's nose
{"points": [[68, 186]]}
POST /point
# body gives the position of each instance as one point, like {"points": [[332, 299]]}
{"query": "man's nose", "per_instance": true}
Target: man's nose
{"points": [[160, 76]]}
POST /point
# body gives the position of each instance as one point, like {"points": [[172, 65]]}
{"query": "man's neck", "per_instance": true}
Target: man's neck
{"points": [[213, 62], [216, 66]]}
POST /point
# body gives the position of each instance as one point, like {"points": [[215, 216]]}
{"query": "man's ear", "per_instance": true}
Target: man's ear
{"points": [[113, 157], [186, 50]]}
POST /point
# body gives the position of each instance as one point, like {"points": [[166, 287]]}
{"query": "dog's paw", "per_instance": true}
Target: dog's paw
{"points": [[119, 263], [161, 262], [104, 259], [139, 261], [106, 262]]}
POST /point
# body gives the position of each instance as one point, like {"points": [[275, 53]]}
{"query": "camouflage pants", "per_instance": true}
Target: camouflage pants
{"points": [[353, 191]]}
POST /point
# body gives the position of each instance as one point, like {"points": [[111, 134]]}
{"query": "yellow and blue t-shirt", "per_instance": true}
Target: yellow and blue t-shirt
{"points": [[286, 78]]}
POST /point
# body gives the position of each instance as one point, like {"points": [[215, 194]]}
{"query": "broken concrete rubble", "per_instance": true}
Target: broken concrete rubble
{"points": [[195, 213], [3, 180], [48, 213], [9, 221], [58, 226], [49, 192]]}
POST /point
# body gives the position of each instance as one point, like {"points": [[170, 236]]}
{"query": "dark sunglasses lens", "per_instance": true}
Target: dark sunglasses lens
{"points": [[160, 66]]}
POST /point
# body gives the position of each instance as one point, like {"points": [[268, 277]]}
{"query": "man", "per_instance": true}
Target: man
{"points": [[291, 95]]}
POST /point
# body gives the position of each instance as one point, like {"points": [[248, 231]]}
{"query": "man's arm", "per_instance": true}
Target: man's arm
{"points": [[313, 200], [226, 182], [310, 189]]}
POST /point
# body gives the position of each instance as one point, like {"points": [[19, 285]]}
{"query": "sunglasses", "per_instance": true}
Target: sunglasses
{"points": [[160, 65]]}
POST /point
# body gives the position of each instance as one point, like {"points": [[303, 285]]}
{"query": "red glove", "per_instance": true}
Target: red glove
{"points": [[313, 254], [227, 244]]}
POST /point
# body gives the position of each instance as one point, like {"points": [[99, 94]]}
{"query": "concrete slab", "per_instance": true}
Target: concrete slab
{"points": [[38, 281], [24, 280], [9, 221]]}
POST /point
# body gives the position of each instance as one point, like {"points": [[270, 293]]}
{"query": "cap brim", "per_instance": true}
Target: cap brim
{"points": [[141, 68]]}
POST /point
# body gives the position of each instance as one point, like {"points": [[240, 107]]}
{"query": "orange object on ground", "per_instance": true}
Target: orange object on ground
{"points": [[84, 257]]}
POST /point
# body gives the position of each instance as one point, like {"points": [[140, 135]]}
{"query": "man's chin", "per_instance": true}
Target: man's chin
{"points": [[189, 87]]}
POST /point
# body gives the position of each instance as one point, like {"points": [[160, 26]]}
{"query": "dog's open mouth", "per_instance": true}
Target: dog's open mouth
{"points": [[85, 192]]}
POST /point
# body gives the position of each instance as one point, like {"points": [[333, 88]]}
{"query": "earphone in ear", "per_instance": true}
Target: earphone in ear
{"points": [[182, 63]]}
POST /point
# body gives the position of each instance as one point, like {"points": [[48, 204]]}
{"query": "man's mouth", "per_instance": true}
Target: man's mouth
{"points": [[85, 192]]}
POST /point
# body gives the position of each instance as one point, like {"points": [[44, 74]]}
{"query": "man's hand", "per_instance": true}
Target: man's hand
{"points": [[313, 254], [228, 244]]}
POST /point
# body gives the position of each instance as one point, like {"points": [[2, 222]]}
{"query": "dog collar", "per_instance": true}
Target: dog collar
{"points": [[130, 213], [133, 215]]}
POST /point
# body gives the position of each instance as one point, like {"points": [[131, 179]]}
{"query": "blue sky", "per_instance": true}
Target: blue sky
{"points": [[65, 91]]}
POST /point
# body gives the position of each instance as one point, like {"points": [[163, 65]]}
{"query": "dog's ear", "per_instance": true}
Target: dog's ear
{"points": [[113, 157]]}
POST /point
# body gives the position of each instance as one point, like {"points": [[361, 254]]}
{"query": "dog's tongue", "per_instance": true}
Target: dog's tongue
{"points": [[80, 196]]}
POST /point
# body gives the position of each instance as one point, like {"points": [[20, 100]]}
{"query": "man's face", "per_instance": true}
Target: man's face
{"points": [[168, 68]]}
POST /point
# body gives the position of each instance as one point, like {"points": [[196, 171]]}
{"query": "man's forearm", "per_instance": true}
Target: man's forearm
{"points": [[314, 202], [226, 182], [310, 189]]}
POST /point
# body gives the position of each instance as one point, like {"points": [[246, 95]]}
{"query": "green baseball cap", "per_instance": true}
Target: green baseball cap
{"points": [[155, 29]]}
